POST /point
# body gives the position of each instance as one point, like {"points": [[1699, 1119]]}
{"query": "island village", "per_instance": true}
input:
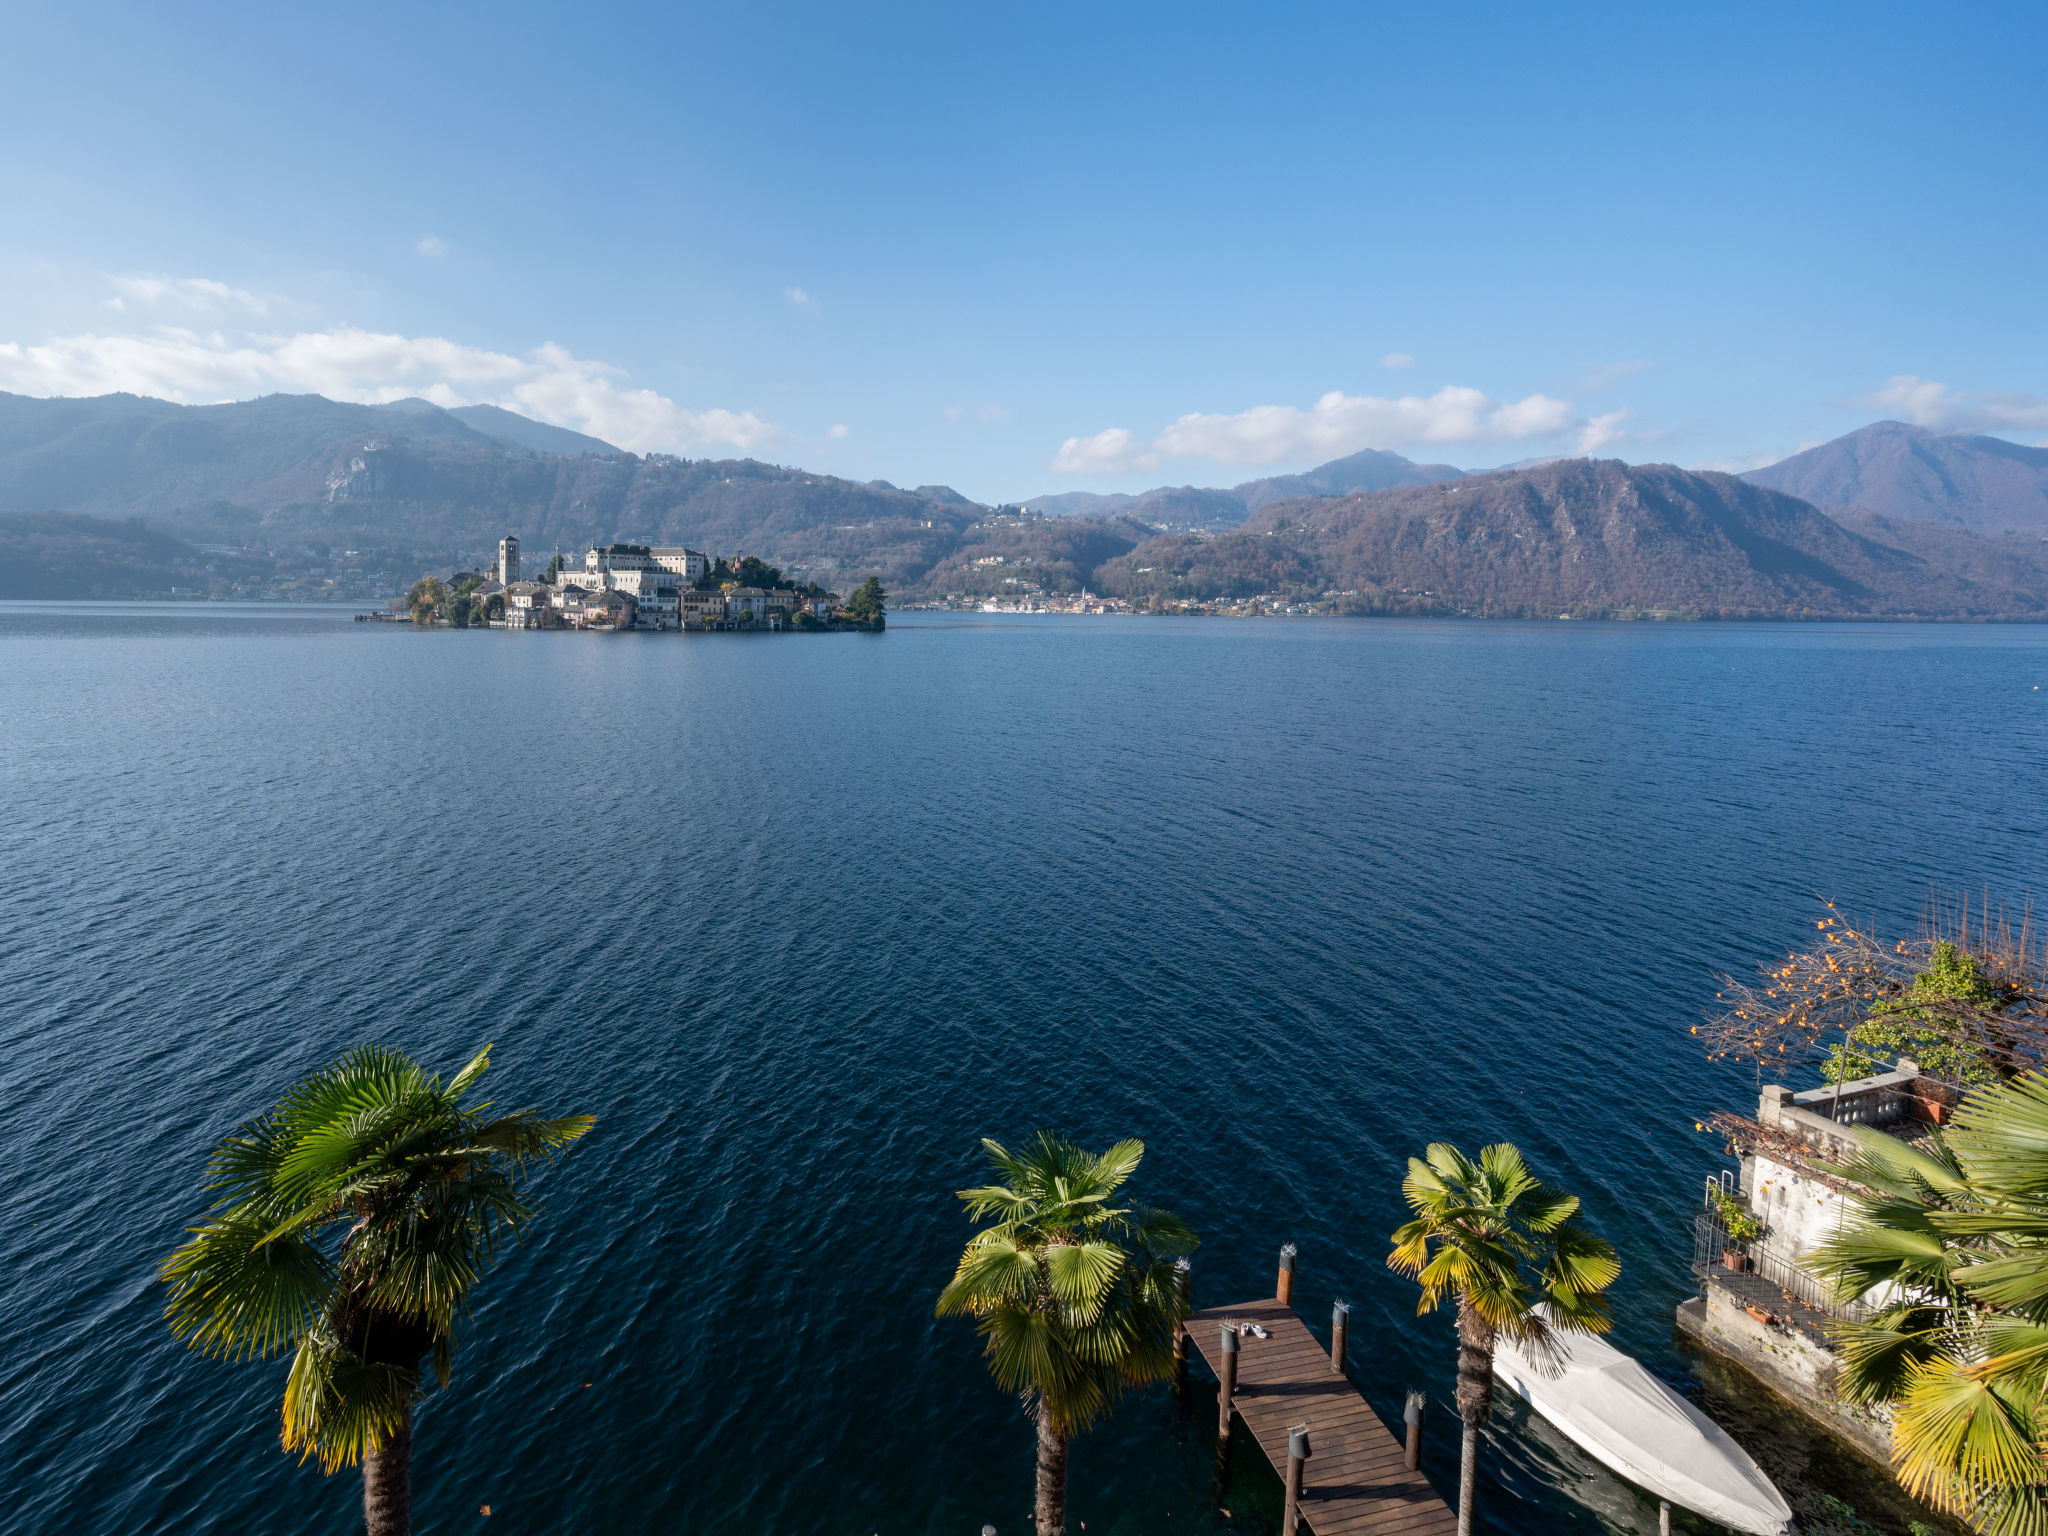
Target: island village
{"points": [[636, 587]]}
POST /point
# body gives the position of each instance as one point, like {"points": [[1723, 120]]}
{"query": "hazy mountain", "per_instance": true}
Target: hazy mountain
{"points": [[68, 555], [1196, 507], [295, 472], [1900, 471], [1598, 536], [305, 496], [524, 432]]}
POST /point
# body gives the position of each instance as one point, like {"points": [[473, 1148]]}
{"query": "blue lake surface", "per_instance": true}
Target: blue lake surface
{"points": [[799, 919]]}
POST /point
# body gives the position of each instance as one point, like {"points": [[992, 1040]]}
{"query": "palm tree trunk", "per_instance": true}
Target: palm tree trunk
{"points": [[387, 1484], [1468, 1474], [1475, 1402], [1052, 1476]]}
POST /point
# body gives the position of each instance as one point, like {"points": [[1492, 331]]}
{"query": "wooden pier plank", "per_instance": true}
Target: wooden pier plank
{"points": [[1357, 1482]]}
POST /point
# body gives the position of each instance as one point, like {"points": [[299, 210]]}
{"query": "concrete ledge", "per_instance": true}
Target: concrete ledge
{"points": [[1788, 1361]]}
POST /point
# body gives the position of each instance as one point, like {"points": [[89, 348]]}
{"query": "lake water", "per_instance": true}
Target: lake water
{"points": [[799, 919]]}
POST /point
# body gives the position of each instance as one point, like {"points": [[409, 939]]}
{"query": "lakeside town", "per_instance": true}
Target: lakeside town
{"points": [[636, 587]]}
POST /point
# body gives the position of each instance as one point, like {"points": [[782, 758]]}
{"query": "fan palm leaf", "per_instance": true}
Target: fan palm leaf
{"points": [[350, 1225]]}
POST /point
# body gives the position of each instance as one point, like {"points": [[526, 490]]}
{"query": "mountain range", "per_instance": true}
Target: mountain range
{"points": [[303, 496]]}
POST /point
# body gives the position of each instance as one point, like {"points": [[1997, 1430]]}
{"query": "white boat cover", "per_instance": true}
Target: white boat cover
{"points": [[1632, 1423]]}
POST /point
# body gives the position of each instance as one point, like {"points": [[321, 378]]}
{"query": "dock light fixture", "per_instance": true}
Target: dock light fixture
{"points": [[1227, 1375], [1411, 1414], [1297, 1462], [1184, 1294], [1285, 1293]]}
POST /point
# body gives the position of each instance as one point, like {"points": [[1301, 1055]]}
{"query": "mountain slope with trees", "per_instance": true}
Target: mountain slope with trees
{"points": [[1588, 537], [1981, 483]]}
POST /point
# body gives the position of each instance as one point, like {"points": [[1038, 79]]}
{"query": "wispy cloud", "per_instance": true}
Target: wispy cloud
{"points": [[433, 247], [195, 366], [799, 298], [1602, 431], [1928, 404], [1335, 425], [1601, 376], [189, 296], [837, 432], [1398, 360]]}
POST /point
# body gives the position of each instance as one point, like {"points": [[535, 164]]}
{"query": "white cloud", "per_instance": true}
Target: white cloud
{"points": [[799, 298], [346, 363], [1602, 430], [192, 294], [433, 247], [1606, 375], [1398, 360], [1105, 453], [1928, 404], [1335, 425], [838, 431]]}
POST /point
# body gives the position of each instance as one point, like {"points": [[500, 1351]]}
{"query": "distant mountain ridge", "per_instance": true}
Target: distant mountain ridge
{"points": [[1191, 506], [300, 495], [1588, 537], [1981, 483]]}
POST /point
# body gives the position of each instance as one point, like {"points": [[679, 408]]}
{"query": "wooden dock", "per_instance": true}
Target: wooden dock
{"points": [[1357, 1482]]}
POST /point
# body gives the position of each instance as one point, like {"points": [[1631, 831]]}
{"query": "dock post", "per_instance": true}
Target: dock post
{"points": [[1297, 1460], [1180, 1332], [1411, 1414], [1286, 1291], [1228, 1376], [1340, 1329], [1663, 1517]]}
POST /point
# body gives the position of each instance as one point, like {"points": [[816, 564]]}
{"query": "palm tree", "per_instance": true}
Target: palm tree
{"points": [[1500, 1241], [1078, 1301], [1952, 1237], [420, 1187]]}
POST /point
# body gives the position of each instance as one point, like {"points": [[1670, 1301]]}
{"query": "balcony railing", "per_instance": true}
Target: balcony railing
{"points": [[1770, 1263]]}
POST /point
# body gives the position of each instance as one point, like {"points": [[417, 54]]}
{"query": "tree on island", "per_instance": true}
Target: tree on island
{"points": [[425, 599], [867, 606], [751, 572], [1495, 1239], [421, 1188], [554, 569], [1077, 1301]]}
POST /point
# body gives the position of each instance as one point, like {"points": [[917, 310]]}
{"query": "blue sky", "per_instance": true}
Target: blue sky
{"points": [[1033, 249]]}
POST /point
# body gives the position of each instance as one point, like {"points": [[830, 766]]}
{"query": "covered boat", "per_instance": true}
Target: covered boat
{"points": [[1630, 1422]]}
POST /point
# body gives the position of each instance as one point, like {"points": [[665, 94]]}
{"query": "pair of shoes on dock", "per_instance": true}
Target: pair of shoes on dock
{"points": [[1252, 1331]]}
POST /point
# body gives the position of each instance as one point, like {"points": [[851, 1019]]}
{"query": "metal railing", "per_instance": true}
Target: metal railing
{"points": [[1768, 1262]]}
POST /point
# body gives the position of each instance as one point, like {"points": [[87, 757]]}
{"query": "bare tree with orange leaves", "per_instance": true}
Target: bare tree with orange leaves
{"points": [[1967, 999]]}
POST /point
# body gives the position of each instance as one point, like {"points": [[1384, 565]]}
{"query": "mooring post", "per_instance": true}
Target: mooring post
{"points": [[1663, 1517], [1181, 1278], [1227, 1374], [1286, 1290], [1411, 1414], [1297, 1460], [1340, 1329]]}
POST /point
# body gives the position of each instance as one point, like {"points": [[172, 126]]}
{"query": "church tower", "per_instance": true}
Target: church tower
{"points": [[508, 559]]}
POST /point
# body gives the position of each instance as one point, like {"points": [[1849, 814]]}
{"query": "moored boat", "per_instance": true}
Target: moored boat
{"points": [[1606, 1403]]}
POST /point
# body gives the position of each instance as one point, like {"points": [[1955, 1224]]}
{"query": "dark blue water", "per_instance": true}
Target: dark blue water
{"points": [[799, 919]]}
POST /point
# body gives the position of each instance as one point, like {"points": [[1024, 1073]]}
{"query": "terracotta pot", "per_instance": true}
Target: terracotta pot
{"points": [[1760, 1315], [1735, 1259]]}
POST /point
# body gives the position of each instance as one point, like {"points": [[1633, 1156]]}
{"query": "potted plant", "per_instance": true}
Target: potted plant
{"points": [[1740, 1226]]}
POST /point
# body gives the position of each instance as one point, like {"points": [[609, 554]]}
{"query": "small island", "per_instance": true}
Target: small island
{"points": [[638, 587]]}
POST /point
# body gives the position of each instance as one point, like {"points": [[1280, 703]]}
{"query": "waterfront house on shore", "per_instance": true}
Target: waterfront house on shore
{"points": [[1759, 1303]]}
